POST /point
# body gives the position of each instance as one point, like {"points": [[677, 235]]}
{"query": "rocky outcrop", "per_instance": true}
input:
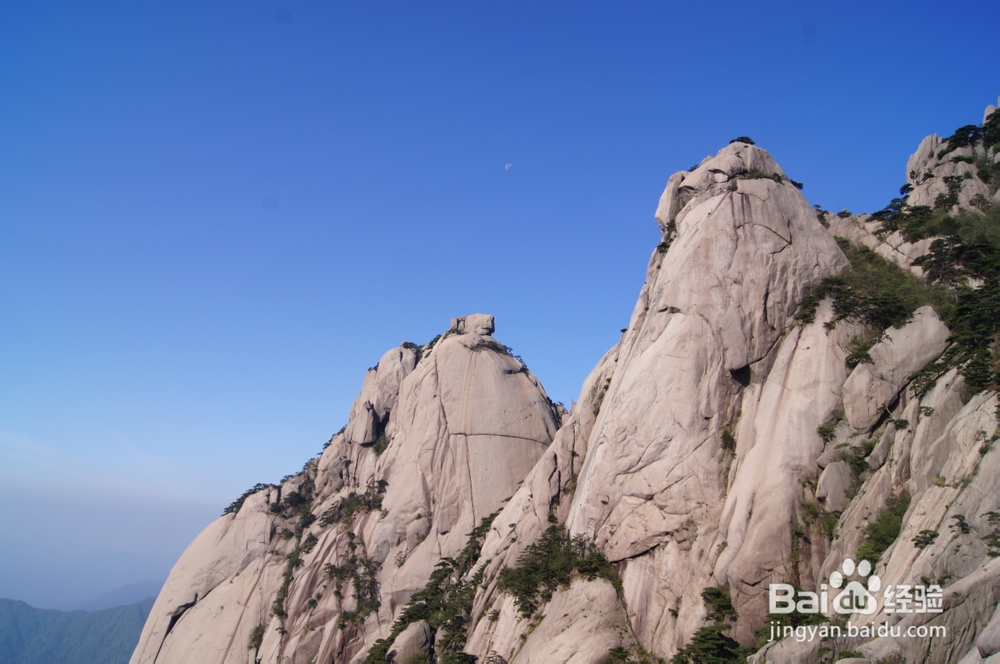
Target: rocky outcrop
{"points": [[873, 385], [709, 356], [935, 166], [865, 231], [721, 444], [708, 339], [439, 436], [415, 640]]}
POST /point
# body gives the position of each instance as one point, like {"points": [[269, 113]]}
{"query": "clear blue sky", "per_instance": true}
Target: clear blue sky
{"points": [[215, 216]]}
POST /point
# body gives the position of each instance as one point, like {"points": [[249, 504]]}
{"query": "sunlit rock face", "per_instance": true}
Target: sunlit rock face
{"points": [[721, 443], [462, 422], [709, 350]]}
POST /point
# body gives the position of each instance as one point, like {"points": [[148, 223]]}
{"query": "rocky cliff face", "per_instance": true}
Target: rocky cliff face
{"points": [[315, 569], [727, 442]]}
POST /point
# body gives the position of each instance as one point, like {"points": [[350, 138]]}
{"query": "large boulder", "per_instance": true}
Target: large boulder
{"points": [[902, 351]]}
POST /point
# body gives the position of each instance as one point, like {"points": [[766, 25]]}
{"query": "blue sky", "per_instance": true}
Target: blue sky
{"points": [[215, 216]]}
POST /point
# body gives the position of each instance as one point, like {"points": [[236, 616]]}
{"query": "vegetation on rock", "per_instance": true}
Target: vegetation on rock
{"points": [[992, 540], [965, 259], [925, 538], [549, 563], [874, 292], [354, 503], [883, 531], [710, 643], [256, 638], [362, 572], [381, 445], [295, 505], [235, 506], [445, 602], [858, 349]]}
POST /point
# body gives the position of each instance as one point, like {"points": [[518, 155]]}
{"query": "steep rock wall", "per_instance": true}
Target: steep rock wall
{"points": [[710, 348], [461, 422], [719, 443]]}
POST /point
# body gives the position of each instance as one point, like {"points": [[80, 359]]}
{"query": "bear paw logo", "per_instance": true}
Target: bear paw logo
{"points": [[855, 597]]}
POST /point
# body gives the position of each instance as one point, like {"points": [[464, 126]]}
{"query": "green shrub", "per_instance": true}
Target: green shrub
{"points": [[965, 136], [256, 638], [719, 605], [967, 247], [309, 543], [445, 602], [363, 573], [947, 201], [874, 292], [961, 526], [710, 643], [381, 444], [883, 531], [355, 503], [991, 130], [549, 563], [828, 429], [757, 174], [855, 458], [858, 349], [278, 605], [925, 538], [829, 524], [296, 504], [825, 432], [992, 541], [617, 655], [821, 214], [238, 503], [728, 441], [742, 139], [491, 344], [812, 513]]}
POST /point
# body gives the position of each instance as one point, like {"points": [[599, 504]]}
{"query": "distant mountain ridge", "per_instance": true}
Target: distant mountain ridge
{"points": [[129, 594], [44, 636]]}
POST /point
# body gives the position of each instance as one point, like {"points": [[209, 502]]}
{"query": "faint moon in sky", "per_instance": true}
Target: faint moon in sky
{"points": [[508, 167]]}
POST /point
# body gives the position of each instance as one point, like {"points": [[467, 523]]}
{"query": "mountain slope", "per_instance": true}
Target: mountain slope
{"points": [[438, 438], [42, 636], [794, 389]]}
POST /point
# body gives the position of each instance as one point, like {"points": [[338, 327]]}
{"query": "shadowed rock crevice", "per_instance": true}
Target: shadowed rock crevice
{"points": [[176, 615], [741, 375]]}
